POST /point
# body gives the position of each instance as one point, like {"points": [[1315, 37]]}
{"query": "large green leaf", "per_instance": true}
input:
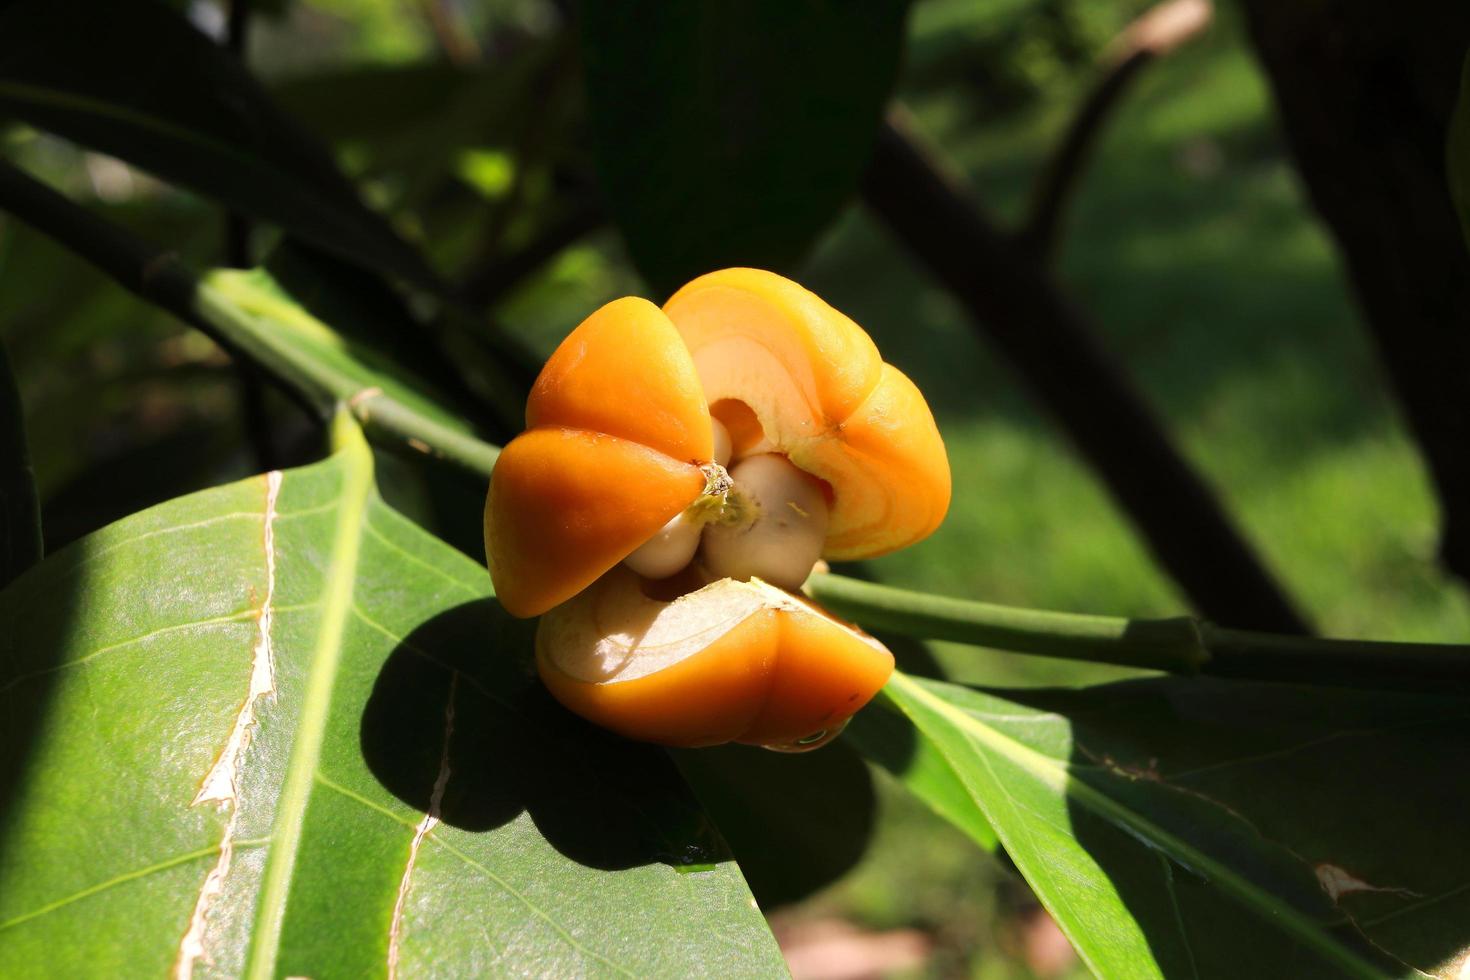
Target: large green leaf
{"points": [[1183, 828], [133, 79], [886, 738], [274, 729], [731, 134]]}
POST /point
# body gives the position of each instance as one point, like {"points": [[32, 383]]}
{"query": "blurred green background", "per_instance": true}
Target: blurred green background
{"points": [[1190, 242]]}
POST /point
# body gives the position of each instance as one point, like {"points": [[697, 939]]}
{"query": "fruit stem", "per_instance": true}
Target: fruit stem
{"points": [[1177, 644], [722, 502]]}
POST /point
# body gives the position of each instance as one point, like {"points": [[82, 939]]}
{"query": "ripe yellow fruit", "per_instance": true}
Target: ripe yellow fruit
{"points": [[621, 479]]}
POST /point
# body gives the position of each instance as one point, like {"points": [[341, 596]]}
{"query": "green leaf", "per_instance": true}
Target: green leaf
{"points": [[887, 739], [274, 729], [20, 512], [134, 79], [731, 134], [1459, 150], [1211, 829]]}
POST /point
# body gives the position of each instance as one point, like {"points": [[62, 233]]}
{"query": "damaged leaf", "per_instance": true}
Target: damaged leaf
{"points": [[1190, 828]]}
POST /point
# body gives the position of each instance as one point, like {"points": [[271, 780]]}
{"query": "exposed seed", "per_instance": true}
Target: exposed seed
{"points": [[668, 551], [783, 538], [722, 442]]}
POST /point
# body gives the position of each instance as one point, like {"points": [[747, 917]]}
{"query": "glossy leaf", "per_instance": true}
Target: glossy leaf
{"points": [[886, 738], [20, 513], [274, 729], [1210, 829], [735, 137], [133, 79]]}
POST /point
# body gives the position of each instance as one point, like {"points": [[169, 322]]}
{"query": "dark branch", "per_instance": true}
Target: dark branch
{"points": [[149, 273], [1059, 178], [1365, 94], [450, 32], [1157, 32], [1056, 350], [237, 226]]}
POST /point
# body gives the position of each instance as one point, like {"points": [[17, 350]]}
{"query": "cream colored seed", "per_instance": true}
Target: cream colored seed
{"points": [[784, 539], [668, 551], [723, 445]]}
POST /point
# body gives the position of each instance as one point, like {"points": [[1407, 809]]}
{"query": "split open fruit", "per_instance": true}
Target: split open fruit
{"points": [[681, 471]]}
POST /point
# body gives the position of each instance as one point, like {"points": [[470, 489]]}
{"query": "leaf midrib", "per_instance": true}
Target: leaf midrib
{"points": [[265, 939], [1058, 776]]}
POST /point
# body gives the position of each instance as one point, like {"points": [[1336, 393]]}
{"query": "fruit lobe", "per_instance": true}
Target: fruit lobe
{"points": [[626, 372], [732, 661], [617, 428], [819, 393]]}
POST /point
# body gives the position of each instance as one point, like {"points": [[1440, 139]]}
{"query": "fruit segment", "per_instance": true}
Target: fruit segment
{"points": [[617, 429], [780, 366], [626, 372], [887, 463], [731, 661], [566, 505], [759, 338]]}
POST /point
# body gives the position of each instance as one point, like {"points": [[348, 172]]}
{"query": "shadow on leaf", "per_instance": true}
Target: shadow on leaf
{"points": [[601, 800], [796, 823]]}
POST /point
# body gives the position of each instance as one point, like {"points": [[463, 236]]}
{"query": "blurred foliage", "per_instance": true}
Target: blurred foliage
{"points": [[1004, 55], [1191, 241], [747, 159]]}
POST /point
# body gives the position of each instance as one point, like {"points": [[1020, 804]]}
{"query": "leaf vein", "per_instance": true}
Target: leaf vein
{"points": [[509, 889], [415, 559], [241, 616], [122, 879]]}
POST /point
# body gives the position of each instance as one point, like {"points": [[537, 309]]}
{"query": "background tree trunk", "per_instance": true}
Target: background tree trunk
{"points": [[1365, 92]]}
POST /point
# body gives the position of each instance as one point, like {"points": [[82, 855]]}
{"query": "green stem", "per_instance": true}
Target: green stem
{"points": [[1178, 644], [393, 421], [237, 313], [1172, 644]]}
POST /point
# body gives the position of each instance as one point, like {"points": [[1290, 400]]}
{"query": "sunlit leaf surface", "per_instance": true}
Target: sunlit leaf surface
{"points": [[274, 729], [1189, 828]]}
